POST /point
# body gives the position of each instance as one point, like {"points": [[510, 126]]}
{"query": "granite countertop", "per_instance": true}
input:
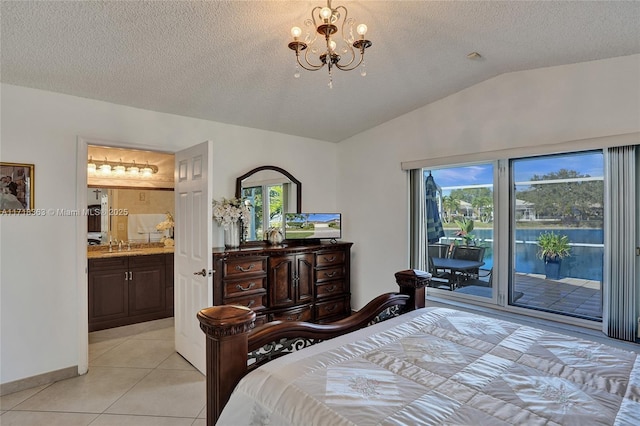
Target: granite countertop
{"points": [[102, 252]]}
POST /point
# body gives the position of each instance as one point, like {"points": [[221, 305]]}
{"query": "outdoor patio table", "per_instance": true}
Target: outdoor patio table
{"points": [[455, 266]]}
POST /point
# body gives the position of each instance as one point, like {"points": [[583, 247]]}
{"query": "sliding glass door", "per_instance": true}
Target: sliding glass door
{"points": [[557, 237], [465, 200]]}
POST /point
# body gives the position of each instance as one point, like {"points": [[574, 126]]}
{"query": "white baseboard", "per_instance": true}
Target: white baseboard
{"points": [[39, 380]]}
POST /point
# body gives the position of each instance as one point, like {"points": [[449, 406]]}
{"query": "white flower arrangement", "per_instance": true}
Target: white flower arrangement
{"points": [[168, 223], [230, 210]]}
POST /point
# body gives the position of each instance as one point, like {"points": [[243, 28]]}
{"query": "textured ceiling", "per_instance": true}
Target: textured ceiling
{"points": [[228, 61]]}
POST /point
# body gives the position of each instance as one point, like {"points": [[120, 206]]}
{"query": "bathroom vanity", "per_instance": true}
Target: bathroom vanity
{"points": [[129, 286]]}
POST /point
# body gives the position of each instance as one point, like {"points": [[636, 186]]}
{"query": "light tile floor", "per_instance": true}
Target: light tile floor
{"points": [[135, 378]]}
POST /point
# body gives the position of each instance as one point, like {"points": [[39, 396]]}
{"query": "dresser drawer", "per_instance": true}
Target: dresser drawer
{"points": [[332, 308], [329, 258], [248, 286], [252, 265], [329, 289], [302, 313], [254, 301], [326, 274]]}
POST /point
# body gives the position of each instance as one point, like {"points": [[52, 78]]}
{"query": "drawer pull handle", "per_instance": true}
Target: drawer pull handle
{"points": [[331, 289], [330, 274], [332, 308], [330, 259], [250, 304], [297, 318], [241, 269], [249, 287]]}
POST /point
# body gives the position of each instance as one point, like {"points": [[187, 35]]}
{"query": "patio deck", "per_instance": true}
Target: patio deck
{"points": [[572, 296]]}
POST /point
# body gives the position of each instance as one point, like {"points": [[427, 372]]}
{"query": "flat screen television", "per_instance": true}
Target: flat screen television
{"points": [[312, 226]]}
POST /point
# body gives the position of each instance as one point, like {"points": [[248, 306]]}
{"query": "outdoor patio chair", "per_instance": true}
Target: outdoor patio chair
{"points": [[484, 279], [468, 253], [438, 277], [438, 250]]}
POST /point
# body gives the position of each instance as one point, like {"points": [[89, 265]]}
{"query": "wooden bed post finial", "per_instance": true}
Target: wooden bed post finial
{"points": [[226, 328], [412, 283]]}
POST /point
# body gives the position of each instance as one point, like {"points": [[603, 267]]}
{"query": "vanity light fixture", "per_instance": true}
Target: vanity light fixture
{"points": [[105, 168], [119, 169], [146, 170], [91, 166], [134, 170], [334, 50], [108, 168]]}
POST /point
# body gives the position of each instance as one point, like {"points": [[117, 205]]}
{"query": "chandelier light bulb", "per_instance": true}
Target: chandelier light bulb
{"points": [[296, 32], [325, 13], [362, 29]]}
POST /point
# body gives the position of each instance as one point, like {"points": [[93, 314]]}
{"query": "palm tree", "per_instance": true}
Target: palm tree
{"points": [[450, 205]]}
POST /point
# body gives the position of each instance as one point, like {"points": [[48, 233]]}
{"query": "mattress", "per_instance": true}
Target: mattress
{"points": [[437, 366]]}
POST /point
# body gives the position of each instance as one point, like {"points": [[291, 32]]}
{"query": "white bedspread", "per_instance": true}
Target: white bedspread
{"points": [[438, 366]]}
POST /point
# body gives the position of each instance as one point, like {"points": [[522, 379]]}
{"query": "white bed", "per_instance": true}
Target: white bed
{"points": [[436, 366]]}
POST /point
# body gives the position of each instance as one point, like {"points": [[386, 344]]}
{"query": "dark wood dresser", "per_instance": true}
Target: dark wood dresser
{"points": [[287, 283]]}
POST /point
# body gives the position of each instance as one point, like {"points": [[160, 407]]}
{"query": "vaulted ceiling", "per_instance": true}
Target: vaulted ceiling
{"points": [[228, 61]]}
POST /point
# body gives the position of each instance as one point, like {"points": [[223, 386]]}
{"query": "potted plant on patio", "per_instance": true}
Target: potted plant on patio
{"points": [[466, 226], [552, 248]]}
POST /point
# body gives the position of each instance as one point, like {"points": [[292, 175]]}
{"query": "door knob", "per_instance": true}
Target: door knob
{"points": [[203, 272]]}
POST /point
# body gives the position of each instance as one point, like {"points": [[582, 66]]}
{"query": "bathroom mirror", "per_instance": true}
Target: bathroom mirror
{"points": [[127, 214], [271, 191]]}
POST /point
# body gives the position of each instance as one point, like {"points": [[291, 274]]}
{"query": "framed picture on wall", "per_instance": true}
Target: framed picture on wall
{"points": [[16, 187]]}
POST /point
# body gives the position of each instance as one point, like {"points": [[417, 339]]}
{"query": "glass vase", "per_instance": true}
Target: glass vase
{"points": [[232, 235]]}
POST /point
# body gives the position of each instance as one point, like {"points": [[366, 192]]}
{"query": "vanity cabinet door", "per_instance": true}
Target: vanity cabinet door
{"points": [[168, 298], [108, 295], [147, 293]]}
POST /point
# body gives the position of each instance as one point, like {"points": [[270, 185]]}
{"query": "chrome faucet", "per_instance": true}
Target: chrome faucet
{"points": [[120, 245]]}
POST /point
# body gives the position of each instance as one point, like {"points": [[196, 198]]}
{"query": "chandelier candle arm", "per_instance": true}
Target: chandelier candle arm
{"points": [[326, 21]]}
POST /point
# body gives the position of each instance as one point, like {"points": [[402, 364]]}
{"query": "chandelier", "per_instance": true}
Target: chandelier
{"points": [[108, 168], [333, 49]]}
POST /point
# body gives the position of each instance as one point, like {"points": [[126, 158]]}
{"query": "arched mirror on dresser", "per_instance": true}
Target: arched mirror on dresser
{"points": [[272, 192]]}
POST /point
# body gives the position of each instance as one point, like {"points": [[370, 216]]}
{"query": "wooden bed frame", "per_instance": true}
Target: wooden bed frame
{"points": [[232, 342]]}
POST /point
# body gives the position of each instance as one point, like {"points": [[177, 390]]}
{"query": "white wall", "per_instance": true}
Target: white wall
{"points": [[38, 282], [521, 109], [38, 299]]}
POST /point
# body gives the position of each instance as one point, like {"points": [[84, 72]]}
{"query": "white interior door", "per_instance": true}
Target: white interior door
{"points": [[193, 279]]}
